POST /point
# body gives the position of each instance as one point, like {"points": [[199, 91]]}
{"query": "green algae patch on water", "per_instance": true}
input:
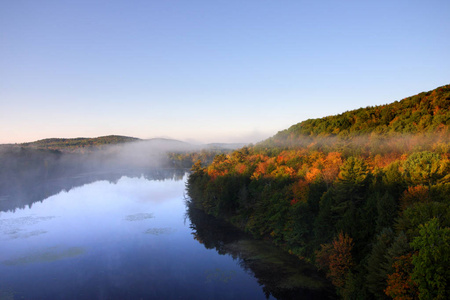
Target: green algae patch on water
{"points": [[49, 255], [159, 231], [139, 217]]}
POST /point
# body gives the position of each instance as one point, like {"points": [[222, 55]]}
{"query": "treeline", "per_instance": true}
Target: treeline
{"points": [[372, 212], [186, 159]]}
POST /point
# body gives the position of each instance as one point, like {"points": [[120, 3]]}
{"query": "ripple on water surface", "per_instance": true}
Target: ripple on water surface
{"points": [[139, 217], [159, 231]]}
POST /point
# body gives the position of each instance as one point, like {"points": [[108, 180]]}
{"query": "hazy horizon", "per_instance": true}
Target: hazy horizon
{"points": [[186, 140], [209, 72]]}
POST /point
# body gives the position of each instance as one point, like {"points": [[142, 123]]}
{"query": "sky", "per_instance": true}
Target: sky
{"points": [[209, 71]]}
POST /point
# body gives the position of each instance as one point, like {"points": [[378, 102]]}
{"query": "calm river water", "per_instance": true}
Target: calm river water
{"points": [[133, 237]]}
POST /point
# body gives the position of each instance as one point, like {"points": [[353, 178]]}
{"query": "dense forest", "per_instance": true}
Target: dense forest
{"points": [[365, 195]]}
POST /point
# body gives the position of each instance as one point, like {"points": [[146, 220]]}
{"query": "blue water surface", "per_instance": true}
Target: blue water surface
{"points": [[126, 239]]}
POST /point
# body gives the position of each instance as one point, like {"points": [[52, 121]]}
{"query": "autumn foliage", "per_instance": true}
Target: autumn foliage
{"points": [[336, 259], [414, 194], [400, 284], [325, 189]]}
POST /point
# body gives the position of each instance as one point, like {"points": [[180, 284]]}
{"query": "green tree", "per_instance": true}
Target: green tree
{"points": [[393, 180], [420, 213], [323, 225], [387, 211], [351, 184], [399, 247], [432, 262], [425, 168], [348, 199]]}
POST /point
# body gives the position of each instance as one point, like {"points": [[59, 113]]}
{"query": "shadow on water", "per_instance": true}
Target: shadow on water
{"points": [[280, 275]]}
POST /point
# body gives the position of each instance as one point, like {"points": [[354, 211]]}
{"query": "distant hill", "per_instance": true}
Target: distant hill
{"points": [[70, 145], [425, 112]]}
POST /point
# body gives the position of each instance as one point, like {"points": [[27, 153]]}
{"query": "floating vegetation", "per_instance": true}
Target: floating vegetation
{"points": [[159, 231], [139, 217], [17, 235], [49, 255], [13, 228], [219, 275], [23, 221]]}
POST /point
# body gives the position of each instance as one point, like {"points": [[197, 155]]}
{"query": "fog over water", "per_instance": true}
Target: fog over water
{"points": [[29, 173]]}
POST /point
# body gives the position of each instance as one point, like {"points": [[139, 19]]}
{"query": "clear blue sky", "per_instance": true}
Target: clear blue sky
{"points": [[210, 71]]}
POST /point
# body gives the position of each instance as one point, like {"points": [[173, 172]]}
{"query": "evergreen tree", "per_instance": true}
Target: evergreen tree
{"points": [[386, 211], [376, 273]]}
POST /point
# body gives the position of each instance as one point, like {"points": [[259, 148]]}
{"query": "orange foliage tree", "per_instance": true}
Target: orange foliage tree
{"points": [[332, 166], [413, 194], [300, 191], [341, 260], [336, 259], [400, 286]]}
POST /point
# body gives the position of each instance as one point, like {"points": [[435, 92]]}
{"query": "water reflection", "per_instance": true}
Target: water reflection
{"points": [[280, 275], [22, 188]]}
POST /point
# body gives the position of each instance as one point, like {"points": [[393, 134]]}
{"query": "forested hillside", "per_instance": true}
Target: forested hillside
{"points": [[425, 112], [365, 195]]}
